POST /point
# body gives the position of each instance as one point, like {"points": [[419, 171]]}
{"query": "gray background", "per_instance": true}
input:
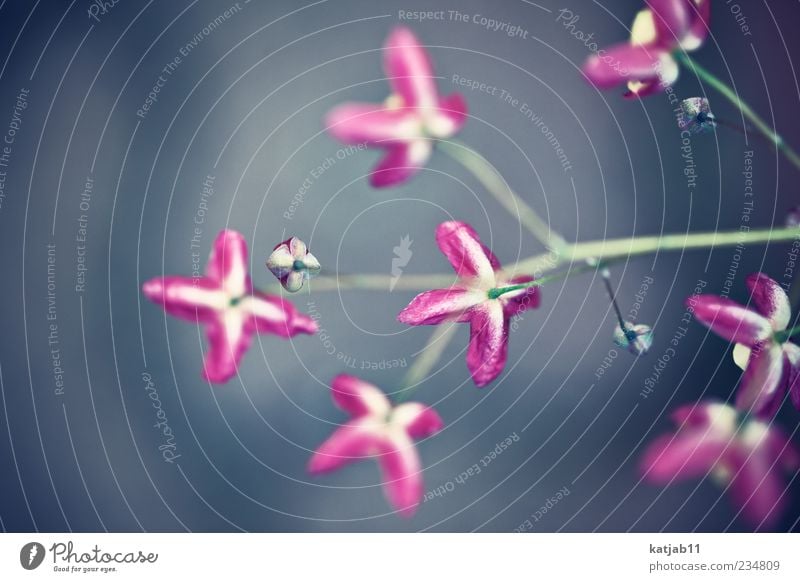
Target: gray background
{"points": [[246, 106]]}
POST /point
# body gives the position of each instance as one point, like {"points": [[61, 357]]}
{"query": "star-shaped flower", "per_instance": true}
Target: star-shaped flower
{"points": [[473, 299], [413, 116], [225, 302], [771, 362], [292, 264], [380, 431], [745, 455], [646, 63]]}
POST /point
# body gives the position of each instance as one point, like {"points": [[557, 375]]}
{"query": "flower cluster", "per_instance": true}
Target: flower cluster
{"points": [[736, 445], [646, 63]]}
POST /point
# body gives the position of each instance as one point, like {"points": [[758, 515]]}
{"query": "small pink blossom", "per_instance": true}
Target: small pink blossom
{"points": [[292, 264], [771, 363], [747, 456], [469, 300], [646, 63], [226, 304], [413, 116], [378, 430]]}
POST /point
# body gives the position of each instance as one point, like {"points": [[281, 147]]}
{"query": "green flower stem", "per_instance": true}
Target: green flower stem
{"points": [[787, 334], [762, 126], [602, 250], [499, 291], [485, 173], [426, 360], [376, 282], [605, 250]]}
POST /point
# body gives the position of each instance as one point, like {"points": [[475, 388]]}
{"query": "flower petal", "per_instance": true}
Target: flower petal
{"points": [[730, 320], [297, 247], [488, 343], [759, 392], [275, 315], [699, 16], [350, 442], [791, 353], [281, 261], [741, 355], [757, 489], [409, 69], [516, 302], [770, 300], [359, 398], [418, 420], [708, 415], [293, 281], [357, 123], [449, 118], [312, 264], [187, 298], [622, 63], [470, 258], [666, 71], [689, 453], [402, 473], [227, 264], [671, 19], [401, 162], [228, 340], [439, 305]]}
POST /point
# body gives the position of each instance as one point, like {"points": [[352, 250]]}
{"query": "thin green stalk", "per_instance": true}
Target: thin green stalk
{"points": [[499, 291], [602, 250], [605, 250], [376, 282], [762, 126], [485, 173], [427, 359]]}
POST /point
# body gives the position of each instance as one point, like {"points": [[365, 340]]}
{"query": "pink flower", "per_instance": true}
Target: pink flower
{"points": [[470, 300], [646, 63], [292, 264], [747, 456], [770, 361], [378, 430], [411, 118], [225, 302]]}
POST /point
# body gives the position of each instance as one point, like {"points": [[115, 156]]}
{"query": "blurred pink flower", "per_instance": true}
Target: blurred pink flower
{"points": [[378, 430], [469, 300], [646, 63], [412, 117], [225, 302], [747, 456], [771, 362]]}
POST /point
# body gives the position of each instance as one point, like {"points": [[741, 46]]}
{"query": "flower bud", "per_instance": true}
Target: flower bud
{"points": [[636, 338], [696, 116], [292, 264]]}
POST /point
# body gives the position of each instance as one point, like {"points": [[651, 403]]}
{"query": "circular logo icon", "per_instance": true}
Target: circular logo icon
{"points": [[31, 555]]}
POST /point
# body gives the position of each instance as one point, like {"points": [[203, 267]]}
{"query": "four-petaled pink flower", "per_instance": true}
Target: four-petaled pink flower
{"points": [[646, 63], [380, 431], [471, 300], [413, 116], [770, 361], [747, 456], [225, 302]]}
